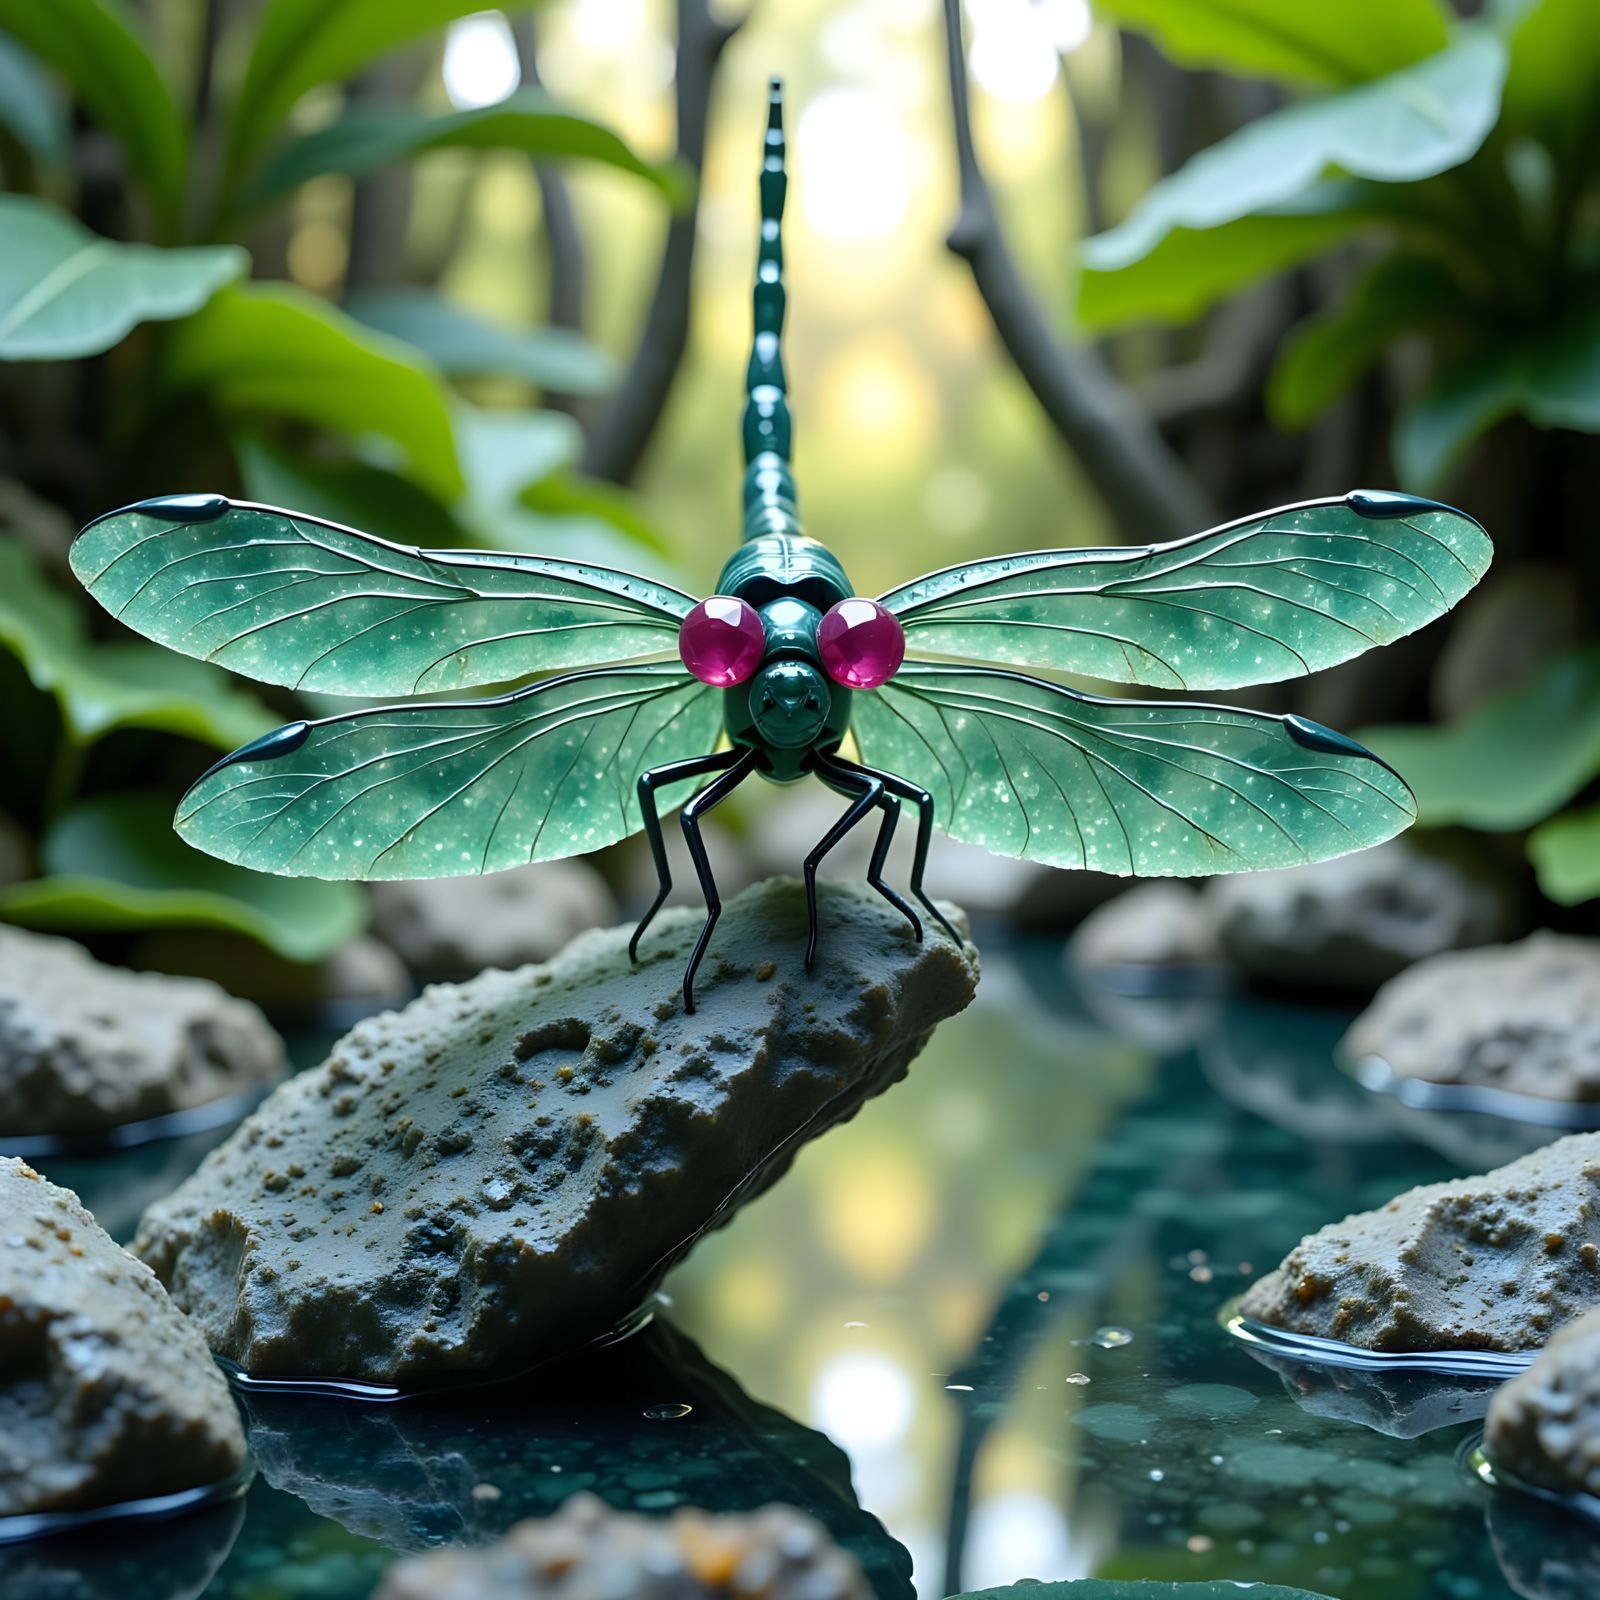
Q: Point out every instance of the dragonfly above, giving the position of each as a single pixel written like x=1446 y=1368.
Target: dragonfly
x=662 y=699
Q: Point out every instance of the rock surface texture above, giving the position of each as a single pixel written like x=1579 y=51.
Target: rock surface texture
x=106 y=1392
x=85 y=1047
x=1523 y=1017
x=1492 y=1263
x=505 y=1169
x=456 y=927
x=587 y=1551
x=1355 y=921
x=1544 y=1426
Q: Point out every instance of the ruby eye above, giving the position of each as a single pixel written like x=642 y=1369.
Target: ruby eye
x=721 y=641
x=861 y=643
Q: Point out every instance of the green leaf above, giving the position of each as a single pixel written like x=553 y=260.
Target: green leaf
x=1186 y=271
x=464 y=345
x=1552 y=379
x=1565 y=853
x=1412 y=125
x=29 y=108
x=563 y=500
x=100 y=688
x=95 y=45
x=1331 y=44
x=114 y=862
x=65 y=292
x=1513 y=760
x=1554 y=79
x=277 y=350
x=299 y=44
x=1328 y=354
x=371 y=137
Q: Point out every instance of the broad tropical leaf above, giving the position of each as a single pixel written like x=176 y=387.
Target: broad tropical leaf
x=289 y=599
x=447 y=790
x=96 y=46
x=1565 y=852
x=66 y=292
x=1268 y=597
x=29 y=108
x=1415 y=124
x=370 y=137
x=1030 y=769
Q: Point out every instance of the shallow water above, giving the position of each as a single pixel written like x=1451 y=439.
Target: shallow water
x=974 y=1331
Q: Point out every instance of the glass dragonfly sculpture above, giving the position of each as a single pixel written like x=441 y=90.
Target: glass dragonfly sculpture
x=784 y=671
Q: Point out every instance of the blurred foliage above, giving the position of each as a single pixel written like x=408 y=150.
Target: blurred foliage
x=130 y=226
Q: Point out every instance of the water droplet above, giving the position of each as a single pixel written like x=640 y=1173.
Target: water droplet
x=1079 y=1377
x=668 y=1412
x=1111 y=1338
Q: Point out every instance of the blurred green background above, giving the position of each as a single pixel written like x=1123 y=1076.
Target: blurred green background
x=481 y=277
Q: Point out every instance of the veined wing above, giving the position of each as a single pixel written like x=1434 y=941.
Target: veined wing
x=1031 y=769
x=1264 y=598
x=441 y=790
x=291 y=599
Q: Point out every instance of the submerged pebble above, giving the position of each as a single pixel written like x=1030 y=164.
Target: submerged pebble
x=107 y=1393
x=587 y=1551
x=1497 y=1262
x=504 y=1169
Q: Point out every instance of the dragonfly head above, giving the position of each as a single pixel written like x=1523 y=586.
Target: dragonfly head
x=790 y=702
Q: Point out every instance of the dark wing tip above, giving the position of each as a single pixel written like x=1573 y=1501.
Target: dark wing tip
x=1313 y=736
x=1386 y=505
x=280 y=742
x=172 y=507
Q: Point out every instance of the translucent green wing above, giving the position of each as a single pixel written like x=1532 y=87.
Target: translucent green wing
x=1268 y=597
x=290 y=599
x=1030 y=769
x=440 y=790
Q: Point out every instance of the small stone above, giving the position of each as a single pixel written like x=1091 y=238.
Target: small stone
x=1153 y=925
x=1544 y=1425
x=547 y=1142
x=1497 y=1262
x=587 y=1551
x=85 y=1047
x=1354 y=921
x=1523 y=1017
x=459 y=927
x=107 y=1392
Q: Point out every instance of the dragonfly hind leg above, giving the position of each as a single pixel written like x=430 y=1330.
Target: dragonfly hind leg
x=923 y=801
x=869 y=793
x=718 y=790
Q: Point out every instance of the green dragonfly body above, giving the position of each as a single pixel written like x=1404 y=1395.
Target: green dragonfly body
x=781 y=672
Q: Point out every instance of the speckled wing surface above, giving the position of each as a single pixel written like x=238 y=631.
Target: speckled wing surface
x=1254 y=601
x=1031 y=769
x=291 y=599
x=441 y=789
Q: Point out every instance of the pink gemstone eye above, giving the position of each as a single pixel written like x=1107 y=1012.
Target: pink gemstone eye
x=721 y=641
x=861 y=643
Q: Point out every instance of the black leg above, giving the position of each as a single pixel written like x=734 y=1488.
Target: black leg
x=846 y=780
x=923 y=801
x=649 y=782
x=868 y=797
x=714 y=792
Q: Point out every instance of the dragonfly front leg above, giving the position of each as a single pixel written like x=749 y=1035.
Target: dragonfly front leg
x=923 y=801
x=718 y=790
x=649 y=782
x=845 y=778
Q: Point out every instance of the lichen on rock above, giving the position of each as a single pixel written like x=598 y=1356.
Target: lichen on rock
x=506 y=1168
x=86 y=1047
x=587 y=1551
x=1523 y=1017
x=1497 y=1262
x=1544 y=1425
x=107 y=1394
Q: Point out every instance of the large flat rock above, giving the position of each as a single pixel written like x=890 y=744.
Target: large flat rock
x=504 y=1169
x=107 y=1394
x=1497 y=1262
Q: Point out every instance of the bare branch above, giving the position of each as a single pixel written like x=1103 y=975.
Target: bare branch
x=623 y=432
x=1147 y=489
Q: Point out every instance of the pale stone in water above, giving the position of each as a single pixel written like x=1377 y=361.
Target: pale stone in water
x=85 y=1047
x=107 y=1393
x=1497 y=1262
x=1544 y=1426
x=504 y=1169
x=1523 y=1017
